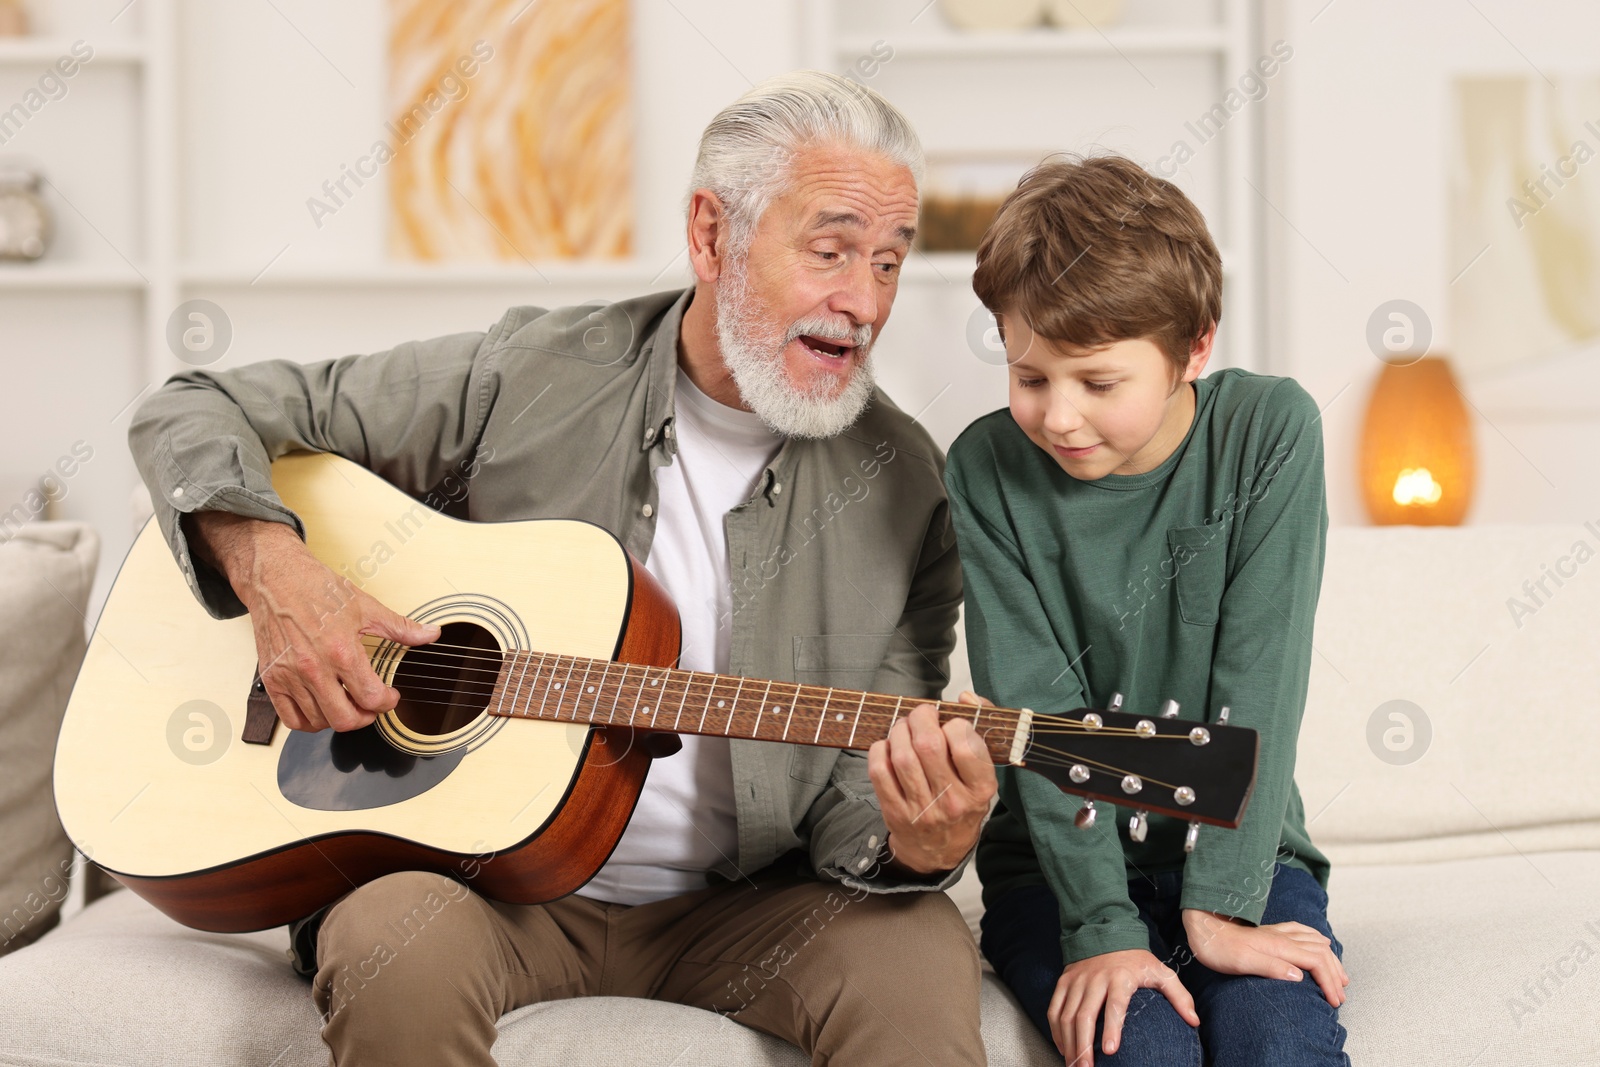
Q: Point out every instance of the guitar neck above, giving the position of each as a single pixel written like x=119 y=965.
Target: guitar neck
x=577 y=689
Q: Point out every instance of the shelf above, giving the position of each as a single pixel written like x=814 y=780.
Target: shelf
x=1046 y=42
x=47 y=50
x=443 y=275
x=36 y=277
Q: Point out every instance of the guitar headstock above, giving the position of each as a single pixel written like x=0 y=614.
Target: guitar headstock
x=1201 y=772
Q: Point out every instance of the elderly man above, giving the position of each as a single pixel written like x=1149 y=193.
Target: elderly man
x=731 y=436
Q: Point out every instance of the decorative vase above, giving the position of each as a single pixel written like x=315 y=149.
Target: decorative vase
x=24 y=216
x=1417 y=457
x=993 y=14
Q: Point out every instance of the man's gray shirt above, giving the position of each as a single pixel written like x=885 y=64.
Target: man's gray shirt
x=843 y=561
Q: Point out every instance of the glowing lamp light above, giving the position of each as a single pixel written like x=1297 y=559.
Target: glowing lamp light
x=1416 y=486
x=1417 y=457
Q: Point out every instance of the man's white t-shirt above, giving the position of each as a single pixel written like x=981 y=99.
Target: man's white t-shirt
x=685 y=822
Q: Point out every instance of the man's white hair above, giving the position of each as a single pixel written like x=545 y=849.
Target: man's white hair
x=746 y=151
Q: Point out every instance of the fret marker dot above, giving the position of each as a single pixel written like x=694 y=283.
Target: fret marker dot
x=558 y=685
x=722 y=703
x=838 y=717
x=645 y=710
x=591 y=689
x=652 y=681
x=776 y=708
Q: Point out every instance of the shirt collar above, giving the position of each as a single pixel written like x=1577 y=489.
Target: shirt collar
x=661 y=366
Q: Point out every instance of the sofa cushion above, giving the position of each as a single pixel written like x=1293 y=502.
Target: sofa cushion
x=121 y=983
x=1498 y=726
x=46 y=569
x=1486 y=961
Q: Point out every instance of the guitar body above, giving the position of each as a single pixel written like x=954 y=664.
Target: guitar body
x=155 y=782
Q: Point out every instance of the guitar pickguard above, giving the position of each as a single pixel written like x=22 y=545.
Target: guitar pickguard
x=356 y=770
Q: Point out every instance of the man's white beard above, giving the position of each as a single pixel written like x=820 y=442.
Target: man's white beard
x=753 y=348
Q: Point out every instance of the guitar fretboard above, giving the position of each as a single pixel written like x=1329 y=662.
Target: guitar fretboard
x=577 y=689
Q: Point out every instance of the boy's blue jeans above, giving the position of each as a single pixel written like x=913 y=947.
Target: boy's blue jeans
x=1245 y=1021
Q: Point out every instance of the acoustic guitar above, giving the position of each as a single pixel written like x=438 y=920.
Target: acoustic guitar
x=522 y=736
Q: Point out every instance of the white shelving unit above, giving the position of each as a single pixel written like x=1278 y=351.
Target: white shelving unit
x=147 y=268
x=410 y=275
x=45 y=50
x=1227 y=44
x=1048 y=42
x=45 y=277
x=152 y=267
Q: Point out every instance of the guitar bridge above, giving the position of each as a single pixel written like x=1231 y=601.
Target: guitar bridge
x=260 y=717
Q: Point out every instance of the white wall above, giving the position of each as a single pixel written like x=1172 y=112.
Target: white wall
x=1362 y=135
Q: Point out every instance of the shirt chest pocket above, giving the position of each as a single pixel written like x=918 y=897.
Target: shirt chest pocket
x=841 y=661
x=1199 y=557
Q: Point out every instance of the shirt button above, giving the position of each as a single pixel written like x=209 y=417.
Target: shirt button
x=178 y=492
x=668 y=431
x=777 y=487
x=650 y=435
x=647 y=511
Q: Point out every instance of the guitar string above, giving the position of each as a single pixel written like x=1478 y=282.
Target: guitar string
x=873 y=717
x=876 y=701
x=622 y=689
x=1068 y=759
x=487 y=656
x=632 y=719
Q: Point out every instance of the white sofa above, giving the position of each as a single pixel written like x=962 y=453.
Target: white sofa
x=1464 y=886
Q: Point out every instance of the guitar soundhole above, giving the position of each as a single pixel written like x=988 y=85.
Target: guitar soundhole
x=445 y=685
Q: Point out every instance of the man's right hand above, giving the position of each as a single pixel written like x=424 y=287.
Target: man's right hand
x=1108 y=981
x=308 y=622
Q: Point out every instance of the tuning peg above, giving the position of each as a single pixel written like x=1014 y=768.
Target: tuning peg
x=1085 y=817
x=1192 y=836
x=1222 y=716
x=1138 y=825
x=1116 y=702
x=1169 y=710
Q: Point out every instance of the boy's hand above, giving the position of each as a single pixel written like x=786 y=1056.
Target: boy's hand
x=1108 y=980
x=1282 y=950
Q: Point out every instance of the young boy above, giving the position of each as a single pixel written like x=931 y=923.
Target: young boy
x=1128 y=526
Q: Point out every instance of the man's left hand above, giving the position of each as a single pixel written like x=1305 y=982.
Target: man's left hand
x=934 y=784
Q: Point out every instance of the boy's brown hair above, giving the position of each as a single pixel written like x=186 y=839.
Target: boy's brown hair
x=1096 y=250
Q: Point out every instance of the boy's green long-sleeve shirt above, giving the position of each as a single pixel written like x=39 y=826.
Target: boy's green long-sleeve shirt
x=1198 y=582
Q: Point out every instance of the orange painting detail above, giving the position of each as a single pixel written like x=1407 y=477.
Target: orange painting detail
x=512 y=130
